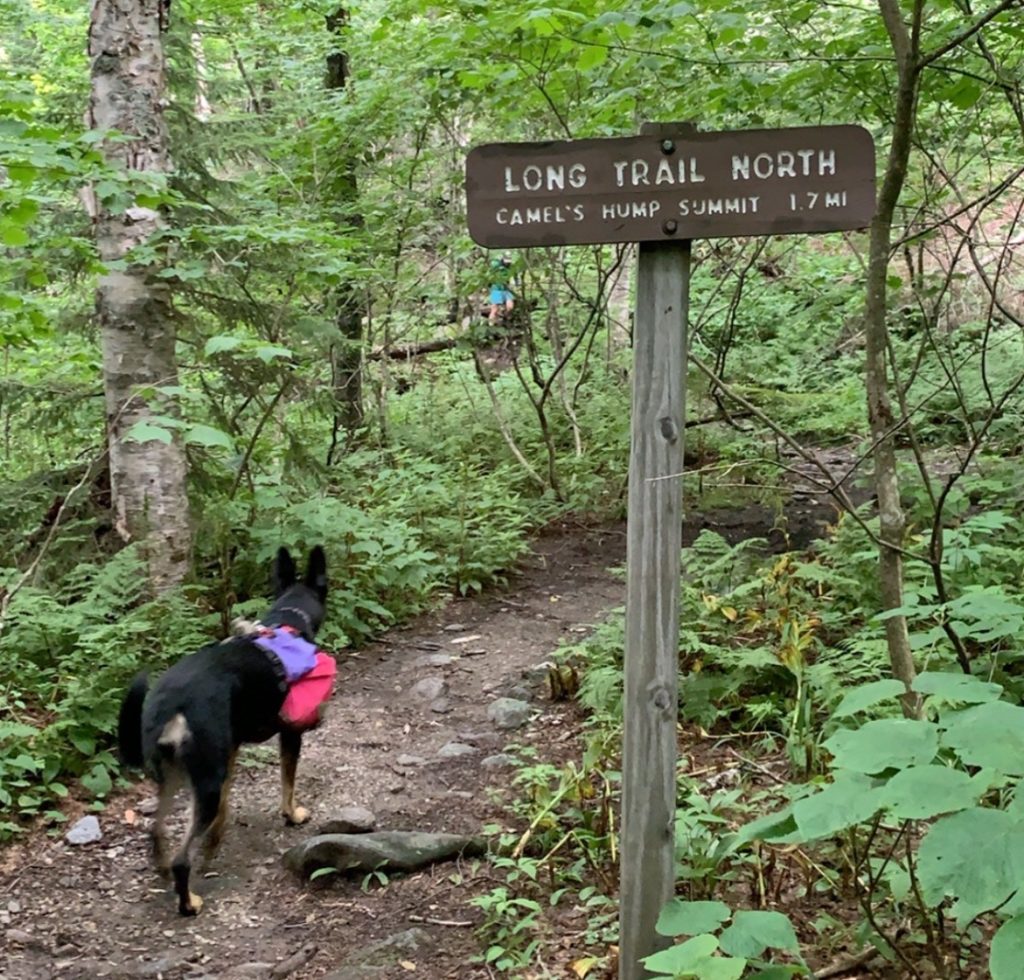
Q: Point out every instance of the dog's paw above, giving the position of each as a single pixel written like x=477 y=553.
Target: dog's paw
x=192 y=907
x=299 y=815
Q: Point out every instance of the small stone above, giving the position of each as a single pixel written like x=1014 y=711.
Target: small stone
x=164 y=963
x=14 y=906
x=429 y=688
x=250 y=970
x=432 y=660
x=19 y=936
x=499 y=761
x=411 y=760
x=455 y=749
x=85 y=831
x=148 y=806
x=456 y=628
x=441 y=706
x=508 y=713
x=350 y=820
x=538 y=673
x=520 y=692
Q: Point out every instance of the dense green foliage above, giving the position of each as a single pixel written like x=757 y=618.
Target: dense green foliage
x=291 y=203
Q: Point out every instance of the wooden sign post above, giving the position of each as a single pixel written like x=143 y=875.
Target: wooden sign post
x=662 y=188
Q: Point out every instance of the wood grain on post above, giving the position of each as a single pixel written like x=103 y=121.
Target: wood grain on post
x=654 y=539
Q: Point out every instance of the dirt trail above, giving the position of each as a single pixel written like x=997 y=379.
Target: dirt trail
x=97 y=910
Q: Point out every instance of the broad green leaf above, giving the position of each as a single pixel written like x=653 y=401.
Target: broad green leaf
x=891 y=743
x=23 y=212
x=722 y=968
x=684 y=958
x=957 y=687
x=921 y=792
x=592 y=57
x=1007 y=953
x=85 y=743
x=98 y=781
x=222 y=342
x=206 y=435
x=752 y=932
x=143 y=431
x=776 y=827
x=850 y=800
x=269 y=352
x=868 y=695
x=975 y=857
x=988 y=735
x=679 y=918
x=13 y=235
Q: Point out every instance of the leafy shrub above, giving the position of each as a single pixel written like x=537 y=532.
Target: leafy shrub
x=67 y=656
x=958 y=768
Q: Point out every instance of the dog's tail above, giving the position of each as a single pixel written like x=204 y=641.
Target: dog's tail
x=129 y=721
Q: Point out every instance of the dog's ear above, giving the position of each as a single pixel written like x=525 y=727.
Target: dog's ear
x=283 y=574
x=316 y=572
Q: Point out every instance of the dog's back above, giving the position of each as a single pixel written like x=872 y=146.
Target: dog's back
x=218 y=698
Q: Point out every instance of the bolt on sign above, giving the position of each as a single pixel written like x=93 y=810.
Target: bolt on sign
x=655 y=188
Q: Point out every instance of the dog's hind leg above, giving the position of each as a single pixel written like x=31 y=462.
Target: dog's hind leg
x=216 y=832
x=207 y=795
x=291 y=746
x=169 y=786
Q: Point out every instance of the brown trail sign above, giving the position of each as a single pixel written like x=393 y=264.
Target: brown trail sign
x=662 y=189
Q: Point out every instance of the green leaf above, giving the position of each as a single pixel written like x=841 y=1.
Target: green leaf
x=269 y=352
x=1007 y=952
x=145 y=431
x=988 y=735
x=922 y=792
x=957 y=687
x=976 y=857
x=86 y=744
x=850 y=800
x=97 y=781
x=891 y=743
x=322 y=873
x=685 y=958
x=220 y=343
x=868 y=695
x=679 y=918
x=591 y=58
x=13 y=235
x=752 y=932
x=23 y=212
x=206 y=435
x=776 y=827
x=722 y=968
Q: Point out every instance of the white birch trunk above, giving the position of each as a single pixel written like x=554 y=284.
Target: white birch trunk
x=133 y=306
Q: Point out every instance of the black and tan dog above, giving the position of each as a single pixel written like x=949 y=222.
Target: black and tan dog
x=186 y=731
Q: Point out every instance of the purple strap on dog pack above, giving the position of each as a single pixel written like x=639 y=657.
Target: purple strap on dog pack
x=297 y=655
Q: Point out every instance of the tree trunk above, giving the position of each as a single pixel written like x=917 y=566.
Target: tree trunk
x=892 y=523
x=349 y=306
x=149 y=497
